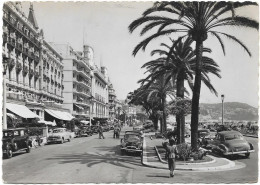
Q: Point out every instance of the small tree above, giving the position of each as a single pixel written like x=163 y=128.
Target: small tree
x=182 y=107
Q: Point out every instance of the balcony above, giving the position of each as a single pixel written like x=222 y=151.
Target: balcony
x=15 y=96
x=81 y=71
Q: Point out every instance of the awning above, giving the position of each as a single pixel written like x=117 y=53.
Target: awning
x=60 y=115
x=21 y=110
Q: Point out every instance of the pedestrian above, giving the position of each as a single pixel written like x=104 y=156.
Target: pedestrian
x=171 y=150
x=100 y=132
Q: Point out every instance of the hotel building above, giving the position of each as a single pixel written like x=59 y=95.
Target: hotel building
x=34 y=76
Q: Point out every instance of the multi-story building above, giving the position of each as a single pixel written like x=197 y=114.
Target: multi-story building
x=35 y=70
x=100 y=93
x=77 y=79
x=112 y=101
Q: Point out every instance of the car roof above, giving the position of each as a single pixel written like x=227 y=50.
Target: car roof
x=132 y=132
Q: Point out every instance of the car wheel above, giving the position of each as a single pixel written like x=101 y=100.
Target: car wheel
x=122 y=152
x=62 y=141
x=28 y=149
x=9 y=153
x=247 y=155
x=69 y=139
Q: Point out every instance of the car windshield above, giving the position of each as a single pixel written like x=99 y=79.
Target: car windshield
x=132 y=136
x=233 y=136
x=57 y=131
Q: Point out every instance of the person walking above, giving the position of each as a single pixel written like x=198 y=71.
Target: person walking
x=171 y=150
x=100 y=132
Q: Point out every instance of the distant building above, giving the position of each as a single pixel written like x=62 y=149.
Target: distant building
x=112 y=101
x=77 y=79
x=100 y=93
x=34 y=75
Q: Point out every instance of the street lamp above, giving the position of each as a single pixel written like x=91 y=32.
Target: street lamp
x=222 y=99
x=5 y=64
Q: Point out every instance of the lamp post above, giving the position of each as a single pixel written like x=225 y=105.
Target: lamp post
x=222 y=99
x=5 y=64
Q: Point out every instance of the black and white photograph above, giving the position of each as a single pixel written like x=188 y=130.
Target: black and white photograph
x=130 y=92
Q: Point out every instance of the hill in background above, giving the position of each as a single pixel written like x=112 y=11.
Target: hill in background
x=232 y=111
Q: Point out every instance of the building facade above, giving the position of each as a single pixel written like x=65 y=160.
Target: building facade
x=34 y=76
x=112 y=101
x=78 y=73
x=100 y=106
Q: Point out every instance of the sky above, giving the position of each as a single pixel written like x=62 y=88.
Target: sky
x=104 y=26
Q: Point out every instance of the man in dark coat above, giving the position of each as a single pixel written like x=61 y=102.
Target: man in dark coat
x=171 y=150
x=100 y=132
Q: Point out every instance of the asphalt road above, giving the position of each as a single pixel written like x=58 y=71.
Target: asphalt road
x=93 y=160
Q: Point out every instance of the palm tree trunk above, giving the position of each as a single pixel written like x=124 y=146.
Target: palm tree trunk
x=180 y=118
x=196 y=96
x=164 y=113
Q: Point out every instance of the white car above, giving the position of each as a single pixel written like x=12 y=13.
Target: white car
x=59 y=135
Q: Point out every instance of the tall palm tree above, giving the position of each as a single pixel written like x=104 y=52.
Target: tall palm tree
x=178 y=61
x=197 y=20
x=159 y=88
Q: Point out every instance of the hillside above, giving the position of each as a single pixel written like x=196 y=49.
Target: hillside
x=232 y=111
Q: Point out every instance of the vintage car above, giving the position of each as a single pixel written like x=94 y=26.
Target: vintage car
x=131 y=143
x=221 y=128
x=59 y=135
x=94 y=129
x=85 y=131
x=15 y=140
x=230 y=143
x=204 y=136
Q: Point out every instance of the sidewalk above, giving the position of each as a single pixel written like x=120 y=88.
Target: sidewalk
x=152 y=158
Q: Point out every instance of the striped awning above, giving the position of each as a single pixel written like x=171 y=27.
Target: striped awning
x=21 y=110
x=60 y=114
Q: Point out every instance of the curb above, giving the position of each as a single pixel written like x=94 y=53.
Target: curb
x=147 y=164
x=185 y=163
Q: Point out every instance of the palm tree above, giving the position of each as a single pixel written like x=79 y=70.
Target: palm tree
x=178 y=61
x=159 y=88
x=197 y=20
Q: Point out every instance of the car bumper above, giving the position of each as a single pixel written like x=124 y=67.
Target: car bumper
x=239 y=152
x=131 y=149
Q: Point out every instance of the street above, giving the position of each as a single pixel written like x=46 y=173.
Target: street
x=93 y=160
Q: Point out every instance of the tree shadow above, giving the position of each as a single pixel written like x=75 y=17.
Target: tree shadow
x=91 y=159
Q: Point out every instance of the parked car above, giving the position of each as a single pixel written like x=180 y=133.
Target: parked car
x=230 y=143
x=94 y=129
x=204 y=136
x=14 y=141
x=85 y=131
x=106 y=128
x=131 y=143
x=221 y=128
x=59 y=135
x=211 y=127
x=138 y=128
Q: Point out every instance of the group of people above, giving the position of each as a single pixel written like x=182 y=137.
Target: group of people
x=117 y=130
